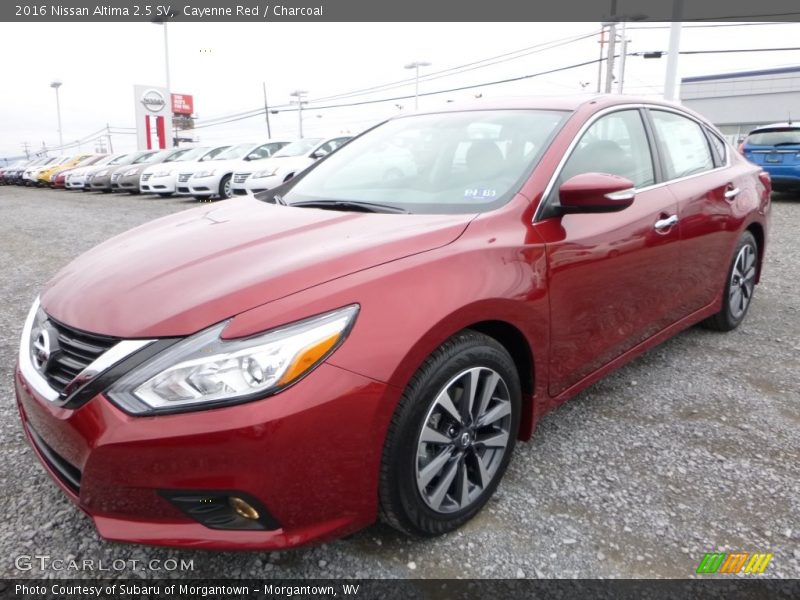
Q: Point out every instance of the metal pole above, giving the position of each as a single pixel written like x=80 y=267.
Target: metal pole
x=600 y=62
x=671 y=77
x=416 y=86
x=612 y=48
x=300 y=117
x=58 y=110
x=623 y=51
x=108 y=132
x=266 y=109
x=166 y=60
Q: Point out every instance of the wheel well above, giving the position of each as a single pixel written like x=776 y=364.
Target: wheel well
x=514 y=341
x=758 y=233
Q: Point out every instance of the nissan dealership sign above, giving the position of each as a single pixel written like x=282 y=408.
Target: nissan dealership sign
x=153 y=117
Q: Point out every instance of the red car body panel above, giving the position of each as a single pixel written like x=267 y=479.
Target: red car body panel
x=573 y=297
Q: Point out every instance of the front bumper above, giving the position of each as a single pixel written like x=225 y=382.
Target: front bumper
x=204 y=186
x=129 y=183
x=102 y=182
x=262 y=184
x=158 y=185
x=310 y=455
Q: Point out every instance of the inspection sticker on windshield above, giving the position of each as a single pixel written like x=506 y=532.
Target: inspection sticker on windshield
x=480 y=193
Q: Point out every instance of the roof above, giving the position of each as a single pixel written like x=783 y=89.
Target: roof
x=569 y=103
x=759 y=73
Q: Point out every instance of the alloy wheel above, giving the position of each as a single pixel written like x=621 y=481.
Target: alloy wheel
x=742 y=281
x=464 y=438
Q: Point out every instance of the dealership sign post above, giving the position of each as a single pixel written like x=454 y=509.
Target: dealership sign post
x=153 y=117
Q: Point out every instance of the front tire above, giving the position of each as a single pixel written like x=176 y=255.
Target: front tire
x=737 y=294
x=451 y=436
x=225 y=190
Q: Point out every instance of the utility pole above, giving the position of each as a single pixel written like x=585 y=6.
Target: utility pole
x=416 y=65
x=612 y=46
x=26 y=148
x=600 y=62
x=299 y=94
x=266 y=110
x=622 y=52
x=55 y=85
x=108 y=133
x=671 y=77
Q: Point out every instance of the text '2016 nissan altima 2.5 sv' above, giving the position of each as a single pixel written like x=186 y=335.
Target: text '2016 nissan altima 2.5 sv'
x=286 y=368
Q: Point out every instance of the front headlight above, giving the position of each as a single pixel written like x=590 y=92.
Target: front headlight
x=204 y=370
x=101 y=173
x=162 y=173
x=130 y=172
x=208 y=173
x=265 y=173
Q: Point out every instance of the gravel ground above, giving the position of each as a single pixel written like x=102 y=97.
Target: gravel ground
x=694 y=447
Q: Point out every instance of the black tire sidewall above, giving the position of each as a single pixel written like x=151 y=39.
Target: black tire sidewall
x=731 y=321
x=412 y=511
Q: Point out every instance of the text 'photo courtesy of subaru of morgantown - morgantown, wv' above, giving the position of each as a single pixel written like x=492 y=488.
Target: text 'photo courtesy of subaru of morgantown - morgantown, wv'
x=367 y=326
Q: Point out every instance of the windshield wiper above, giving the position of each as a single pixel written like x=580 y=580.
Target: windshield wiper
x=351 y=204
x=796 y=143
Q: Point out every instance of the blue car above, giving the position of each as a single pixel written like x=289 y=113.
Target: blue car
x=776 y=148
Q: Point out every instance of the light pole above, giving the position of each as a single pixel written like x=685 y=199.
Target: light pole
x=299 y=94
x=160 y=21
x=416 y=65
x=55 y=85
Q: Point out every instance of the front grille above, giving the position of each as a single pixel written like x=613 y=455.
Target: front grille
x=184 y=177
x=69 y=474
x=240 y=177
x=76 y=351
x=115 y=176
x=146 y=176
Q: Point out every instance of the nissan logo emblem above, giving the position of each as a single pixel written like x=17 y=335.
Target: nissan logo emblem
x=45 y=346
x=153 y=100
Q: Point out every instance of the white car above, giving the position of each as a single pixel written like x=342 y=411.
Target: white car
x=162 y=178
x=76 y=178
x=291 y=160
x=213 y=177
x=252 y=162
x=32 y=171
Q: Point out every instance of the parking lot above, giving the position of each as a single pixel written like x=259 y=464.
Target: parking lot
x=692 y=448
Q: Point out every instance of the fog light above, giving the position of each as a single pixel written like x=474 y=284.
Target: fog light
x=242 y=508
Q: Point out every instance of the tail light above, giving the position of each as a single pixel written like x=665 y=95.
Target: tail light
x=765 y=180
x=740 y=148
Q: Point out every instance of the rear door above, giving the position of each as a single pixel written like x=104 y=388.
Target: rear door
x=707 y=187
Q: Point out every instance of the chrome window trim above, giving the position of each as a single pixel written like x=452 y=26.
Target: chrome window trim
x=537 y=217
x=102 y=363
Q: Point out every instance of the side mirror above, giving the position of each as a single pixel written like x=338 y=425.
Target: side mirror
x=596 y=192
x=319 y=154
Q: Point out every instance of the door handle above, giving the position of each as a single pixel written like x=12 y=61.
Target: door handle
x=663 y=224
x=731 y=193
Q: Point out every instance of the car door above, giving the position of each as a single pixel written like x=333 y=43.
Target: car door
x=610 y=275
x=706 y=187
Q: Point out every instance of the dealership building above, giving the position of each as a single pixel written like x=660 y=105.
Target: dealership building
x=740 y=102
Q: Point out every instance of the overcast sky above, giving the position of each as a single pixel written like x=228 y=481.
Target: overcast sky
x=223 y=67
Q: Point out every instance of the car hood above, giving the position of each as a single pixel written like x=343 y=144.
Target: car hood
x=187 y=271
x=210 y=165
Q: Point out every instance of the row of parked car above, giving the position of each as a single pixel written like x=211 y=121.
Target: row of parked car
x=204 y=172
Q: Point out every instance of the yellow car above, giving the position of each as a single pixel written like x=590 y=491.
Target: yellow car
x=47 y=175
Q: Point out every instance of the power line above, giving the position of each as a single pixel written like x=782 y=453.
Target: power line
x=406 y=97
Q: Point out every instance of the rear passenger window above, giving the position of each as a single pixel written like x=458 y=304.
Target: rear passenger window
x=615 y=144
x=719 y=147
x=684 y=147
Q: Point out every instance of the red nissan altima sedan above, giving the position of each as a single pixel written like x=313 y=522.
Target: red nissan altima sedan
x=372 y=338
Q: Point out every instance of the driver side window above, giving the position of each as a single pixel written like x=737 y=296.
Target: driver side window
x=615 y=144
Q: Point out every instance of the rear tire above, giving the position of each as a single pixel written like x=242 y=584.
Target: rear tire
x=451 y=436
x=737 y=293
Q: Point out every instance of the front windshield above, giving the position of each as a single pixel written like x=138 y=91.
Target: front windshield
x=190 y=154
x=153 y=157
x=459 y=162
x=234 y=152
x=297 y=148
x=265 y=150
x=117 y=160
x=212 y=154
